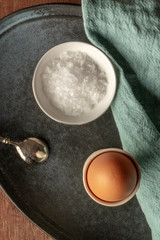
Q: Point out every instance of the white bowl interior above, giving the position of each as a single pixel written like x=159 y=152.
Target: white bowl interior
x=104 y=64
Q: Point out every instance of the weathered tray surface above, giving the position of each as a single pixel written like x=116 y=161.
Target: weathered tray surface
x=52 y=194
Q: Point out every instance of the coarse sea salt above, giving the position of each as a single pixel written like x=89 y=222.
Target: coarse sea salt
x=74 y=83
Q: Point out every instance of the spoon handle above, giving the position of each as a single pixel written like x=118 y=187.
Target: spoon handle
x=7 y=141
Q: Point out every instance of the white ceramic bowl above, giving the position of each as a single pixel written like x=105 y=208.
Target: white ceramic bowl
x=100 y=59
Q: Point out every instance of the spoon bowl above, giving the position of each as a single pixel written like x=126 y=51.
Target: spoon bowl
x=31 y=150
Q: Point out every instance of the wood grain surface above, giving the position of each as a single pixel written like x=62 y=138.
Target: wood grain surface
x=13 y=224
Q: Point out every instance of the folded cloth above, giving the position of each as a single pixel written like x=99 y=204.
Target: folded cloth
x=129 y=33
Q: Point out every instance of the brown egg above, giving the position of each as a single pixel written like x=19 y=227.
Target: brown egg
x=111 y=176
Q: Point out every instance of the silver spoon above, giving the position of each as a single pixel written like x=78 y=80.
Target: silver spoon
x=31 y=150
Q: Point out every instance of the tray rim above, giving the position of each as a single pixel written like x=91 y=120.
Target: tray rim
x=28 y=9
x=36 y=6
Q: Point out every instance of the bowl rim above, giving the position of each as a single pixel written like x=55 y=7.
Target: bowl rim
x=36 y=95
x=94 y=197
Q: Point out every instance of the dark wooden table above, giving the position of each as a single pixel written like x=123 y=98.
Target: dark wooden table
x=13 y=224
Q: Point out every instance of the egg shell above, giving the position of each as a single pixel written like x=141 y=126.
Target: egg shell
x=111 y=176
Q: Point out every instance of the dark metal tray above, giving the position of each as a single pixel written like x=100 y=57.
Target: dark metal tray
x=52 y=194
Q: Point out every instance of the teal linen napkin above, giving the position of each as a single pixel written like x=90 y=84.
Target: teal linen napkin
x=129 y=33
